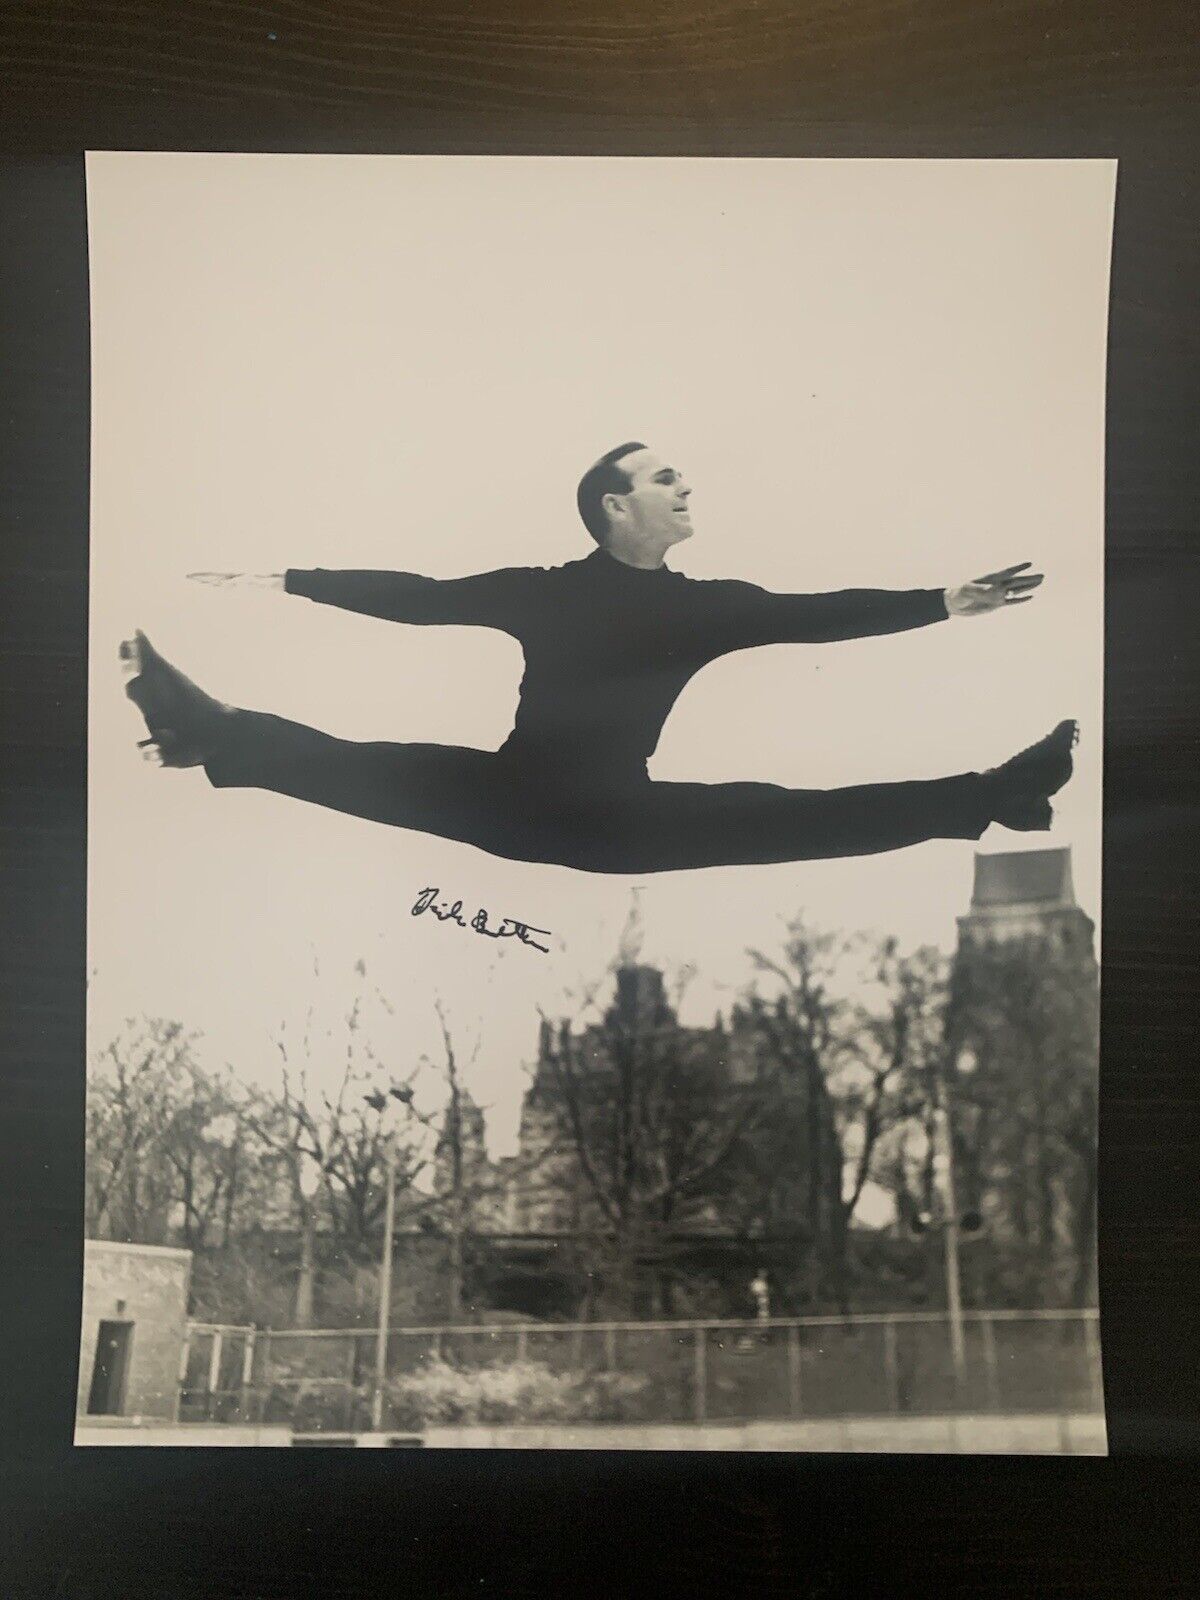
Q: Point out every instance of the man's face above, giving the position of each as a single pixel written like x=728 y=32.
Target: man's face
x=655 y=510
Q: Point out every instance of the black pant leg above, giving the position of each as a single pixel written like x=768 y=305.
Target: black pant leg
x=684 y=826
x=446 y=790
x=481 y=798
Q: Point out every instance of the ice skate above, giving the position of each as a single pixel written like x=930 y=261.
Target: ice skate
x=1022 y=786
x=183 y=722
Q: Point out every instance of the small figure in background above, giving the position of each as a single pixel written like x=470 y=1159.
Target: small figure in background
x=761 y=1290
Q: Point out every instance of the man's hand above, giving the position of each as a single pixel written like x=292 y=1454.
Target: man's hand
x=1012 y=586
x=238 y=580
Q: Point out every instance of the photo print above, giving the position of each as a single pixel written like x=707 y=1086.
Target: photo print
x=595 y=802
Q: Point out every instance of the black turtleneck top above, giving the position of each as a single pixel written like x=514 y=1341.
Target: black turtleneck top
x=608 y=647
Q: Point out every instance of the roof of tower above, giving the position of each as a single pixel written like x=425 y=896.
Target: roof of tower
x=1023 y=877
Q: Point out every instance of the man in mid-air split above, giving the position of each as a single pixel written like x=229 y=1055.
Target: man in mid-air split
x=610 y=642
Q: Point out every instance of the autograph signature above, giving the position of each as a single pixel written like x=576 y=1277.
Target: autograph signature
x=509 y=927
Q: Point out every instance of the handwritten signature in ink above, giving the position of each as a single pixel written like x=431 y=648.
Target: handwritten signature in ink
x=509 y=927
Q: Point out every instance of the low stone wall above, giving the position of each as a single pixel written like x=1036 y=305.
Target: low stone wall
x=92 y=1431
x=1080 y=1434
x=960 y=1435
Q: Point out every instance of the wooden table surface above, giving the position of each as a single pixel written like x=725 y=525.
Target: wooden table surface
x=825 y=77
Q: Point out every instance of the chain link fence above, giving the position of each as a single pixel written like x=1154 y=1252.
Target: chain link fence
x=1014 y=1362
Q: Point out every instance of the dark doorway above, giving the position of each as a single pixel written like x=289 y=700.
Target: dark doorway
x=107 y=1396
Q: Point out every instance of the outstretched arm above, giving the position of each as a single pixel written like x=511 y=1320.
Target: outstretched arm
x=239 y=580
x=488 y=599
x=745 y=615
x=1011 y=586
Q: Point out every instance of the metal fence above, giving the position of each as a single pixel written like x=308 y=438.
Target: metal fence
x=799 y=1368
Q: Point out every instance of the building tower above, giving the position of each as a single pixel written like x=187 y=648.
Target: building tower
x=1022 y=1063
x=461 y=1152
x=1026 y=893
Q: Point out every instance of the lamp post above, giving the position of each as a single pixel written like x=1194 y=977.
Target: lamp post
x=962 y=1060
x=952 y=1223
x=379 y=1102
x=950 y=1239
x=308 y=1180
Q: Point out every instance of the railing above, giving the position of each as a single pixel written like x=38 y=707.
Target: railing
x=776 y=1368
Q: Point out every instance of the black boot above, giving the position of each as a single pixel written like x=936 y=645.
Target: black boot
x=184 y=723
x=1020 y=788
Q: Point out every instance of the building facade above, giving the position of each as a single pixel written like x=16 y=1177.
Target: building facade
x=570 y=1213
x=133 y=1329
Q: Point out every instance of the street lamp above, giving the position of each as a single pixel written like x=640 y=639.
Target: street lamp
x=952 y=1223
x=378 y=1101
x=950 y=1237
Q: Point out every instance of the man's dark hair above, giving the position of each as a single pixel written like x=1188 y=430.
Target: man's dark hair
x=605 y=477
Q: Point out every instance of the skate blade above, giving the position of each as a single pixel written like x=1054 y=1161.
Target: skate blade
x=165 y=749
x=130 y=658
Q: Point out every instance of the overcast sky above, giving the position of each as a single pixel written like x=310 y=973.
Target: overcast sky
x=883 y=374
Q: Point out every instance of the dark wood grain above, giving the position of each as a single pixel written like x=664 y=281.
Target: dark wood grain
x=770 y=77
x=831 y=78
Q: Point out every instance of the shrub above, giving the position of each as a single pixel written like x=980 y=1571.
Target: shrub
x=440 y=1394
x=318 y=1408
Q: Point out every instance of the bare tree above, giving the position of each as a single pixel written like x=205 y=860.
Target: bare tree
x=205 y=1146
x=136 y=1088
x=458 y=1169
x=327 y=1145
x=472 y=1194
x=853 y=1026
x=1025 y=1013
x=653 y=1125
x=168 y=1153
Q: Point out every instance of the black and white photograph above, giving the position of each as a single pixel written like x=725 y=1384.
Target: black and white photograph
x=594 y=803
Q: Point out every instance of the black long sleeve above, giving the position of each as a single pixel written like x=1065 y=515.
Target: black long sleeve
x=743 y=615
x=609 y=648
x=499 y=599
